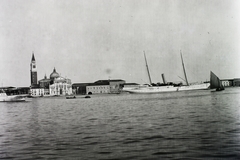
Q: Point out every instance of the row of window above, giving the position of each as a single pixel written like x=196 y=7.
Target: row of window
x=37 y=91
x=99 y=91
x=99 y=87
x=63 y=92
x=227 y=83
x=34 y=94
x=61 y=86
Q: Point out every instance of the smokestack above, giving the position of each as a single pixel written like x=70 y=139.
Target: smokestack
x=163 y=78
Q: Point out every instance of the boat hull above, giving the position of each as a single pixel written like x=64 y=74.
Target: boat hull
x=11 y=98
x=14 y=98
x=155 y=89
x=163 y=89
x=195 y=87
x=70 y=97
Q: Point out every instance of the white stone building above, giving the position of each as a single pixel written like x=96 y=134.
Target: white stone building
x=37 y=92
x=94 y=89
x=61 y=86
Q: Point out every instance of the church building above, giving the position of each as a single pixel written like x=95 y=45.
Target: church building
x=60 y=85
x=54 y=85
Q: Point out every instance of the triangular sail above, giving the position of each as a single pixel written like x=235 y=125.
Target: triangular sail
x=215 y=82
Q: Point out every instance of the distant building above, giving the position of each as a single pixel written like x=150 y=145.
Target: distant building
x=54 y=74
x=33 y=72
x=115 y=85
x=45 y=82
x=236 y=82
x=80 y=88
x=54 y=85
x=37 y=91
x=99 y=87
x=61 y=86
x=226 y=82
x=231 y=82
x=23 y=90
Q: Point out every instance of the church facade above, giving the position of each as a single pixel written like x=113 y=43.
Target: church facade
x=59 y=85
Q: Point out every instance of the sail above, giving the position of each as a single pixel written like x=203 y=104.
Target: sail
x=215 y=82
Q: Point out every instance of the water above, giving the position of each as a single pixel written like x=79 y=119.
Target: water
x=179 y=125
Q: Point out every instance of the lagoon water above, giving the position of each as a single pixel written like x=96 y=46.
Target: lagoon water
x=179 y=125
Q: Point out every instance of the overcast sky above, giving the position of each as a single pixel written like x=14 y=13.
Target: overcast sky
x=89 y=40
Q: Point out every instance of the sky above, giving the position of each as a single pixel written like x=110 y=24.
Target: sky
x=89 y=40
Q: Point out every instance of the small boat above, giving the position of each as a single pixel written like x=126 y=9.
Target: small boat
x=70 y=97
x=215 y=82
x=11 y=98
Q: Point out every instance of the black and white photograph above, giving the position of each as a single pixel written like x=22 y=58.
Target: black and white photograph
x=119 y=79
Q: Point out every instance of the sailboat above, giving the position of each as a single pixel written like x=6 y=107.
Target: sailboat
x=201 y=86
x=149 y=88
x=215 y=82
x=166 y=88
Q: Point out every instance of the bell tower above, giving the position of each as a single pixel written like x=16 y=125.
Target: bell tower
x=33 y=71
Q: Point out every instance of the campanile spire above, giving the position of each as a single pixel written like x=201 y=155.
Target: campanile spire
x=33 y=58
x=33 y=71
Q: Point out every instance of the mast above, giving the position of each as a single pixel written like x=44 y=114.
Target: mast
x=163 y=78
x=147 y=69
x=184 y=70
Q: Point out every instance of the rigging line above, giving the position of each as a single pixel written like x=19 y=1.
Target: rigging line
x=182 y=79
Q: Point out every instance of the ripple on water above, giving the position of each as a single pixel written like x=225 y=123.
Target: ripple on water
x=179 y=125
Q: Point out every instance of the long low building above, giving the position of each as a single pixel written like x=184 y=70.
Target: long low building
x=231 y=82
x=99 y=87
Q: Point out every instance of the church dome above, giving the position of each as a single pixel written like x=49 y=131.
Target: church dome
x=54 y=74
